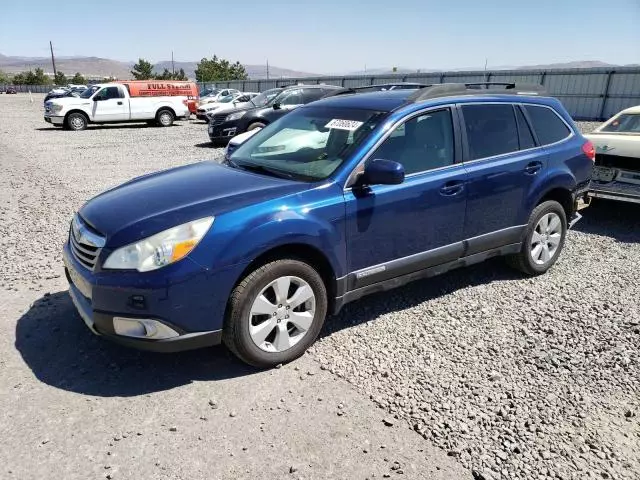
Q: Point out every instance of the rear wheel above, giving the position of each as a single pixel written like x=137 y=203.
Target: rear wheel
x=544 y=239
x=76 y=121
x=165 y=118
x=275 y=313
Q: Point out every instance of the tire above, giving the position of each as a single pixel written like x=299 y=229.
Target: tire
x=539 y=242
x=280 y=340
x=76 y=121
x=165 y=118
x=255 y=125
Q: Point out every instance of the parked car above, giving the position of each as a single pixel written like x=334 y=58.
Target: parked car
x=616 y=175
x=216 y=95
x=225 y=125
x=257 y=251
x=113 y=103
x=11 y=91
x=74 y=91
x=235 y=100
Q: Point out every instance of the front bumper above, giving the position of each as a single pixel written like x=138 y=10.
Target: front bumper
x=181 y=305
x=202 y=116
x=223 y=132
x=54 y=119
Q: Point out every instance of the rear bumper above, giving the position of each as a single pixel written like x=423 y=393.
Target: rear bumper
x=621 y=191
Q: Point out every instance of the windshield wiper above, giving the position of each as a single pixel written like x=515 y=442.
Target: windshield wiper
x=274 y=172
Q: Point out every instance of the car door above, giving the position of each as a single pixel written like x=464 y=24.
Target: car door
x=110 y=105
x=503 y=164
x=392 y=230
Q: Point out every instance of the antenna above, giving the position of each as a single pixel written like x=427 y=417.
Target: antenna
x=267 y=69
x=53 y=61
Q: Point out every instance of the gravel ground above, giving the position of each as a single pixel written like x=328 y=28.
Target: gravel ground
x=512 y=377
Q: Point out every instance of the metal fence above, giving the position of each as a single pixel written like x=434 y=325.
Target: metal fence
x=588 y=94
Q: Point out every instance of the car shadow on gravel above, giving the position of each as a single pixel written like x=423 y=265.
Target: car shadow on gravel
x=371 y=307
x=116 y=126
x=608 y=218
x=60 y=351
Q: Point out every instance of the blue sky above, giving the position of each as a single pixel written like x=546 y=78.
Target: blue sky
x=327 y=36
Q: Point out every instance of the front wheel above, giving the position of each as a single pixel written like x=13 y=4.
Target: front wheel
x=76 y=121
x=544 y=239
x=255 y=125
x=275 y=313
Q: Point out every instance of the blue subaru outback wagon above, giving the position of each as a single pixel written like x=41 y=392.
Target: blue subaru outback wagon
x=340 y=198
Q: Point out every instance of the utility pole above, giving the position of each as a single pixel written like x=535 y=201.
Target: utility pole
x=485 y=64
x=173 y=67
x=267 y=69
x=53 y=61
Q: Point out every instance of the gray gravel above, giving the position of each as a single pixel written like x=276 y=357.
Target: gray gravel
x=511 y=377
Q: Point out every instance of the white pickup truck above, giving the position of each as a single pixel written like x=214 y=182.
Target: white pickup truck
x=112 y=103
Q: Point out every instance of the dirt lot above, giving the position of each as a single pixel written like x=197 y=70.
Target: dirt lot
x=480 y=370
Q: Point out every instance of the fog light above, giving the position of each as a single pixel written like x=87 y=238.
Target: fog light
x=142 y=328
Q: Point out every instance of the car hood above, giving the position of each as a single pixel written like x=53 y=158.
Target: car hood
x=152 y=203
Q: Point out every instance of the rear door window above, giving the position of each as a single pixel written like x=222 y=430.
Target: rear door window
x=312 y=94
x=491 y=130
x=548 y=126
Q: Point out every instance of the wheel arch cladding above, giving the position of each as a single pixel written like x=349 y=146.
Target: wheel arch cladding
x=558 y=188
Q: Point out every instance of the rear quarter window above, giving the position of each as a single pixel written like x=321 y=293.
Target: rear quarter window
x=548 y=126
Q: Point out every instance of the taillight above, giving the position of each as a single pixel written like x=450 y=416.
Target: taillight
x=589 y=150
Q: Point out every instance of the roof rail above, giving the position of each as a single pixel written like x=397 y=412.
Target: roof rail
x=475 y=88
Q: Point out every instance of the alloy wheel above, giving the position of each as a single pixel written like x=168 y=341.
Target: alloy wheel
x=546 y=238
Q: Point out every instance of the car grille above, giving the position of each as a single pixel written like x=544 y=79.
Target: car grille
x=85 y=243
x=218 y=119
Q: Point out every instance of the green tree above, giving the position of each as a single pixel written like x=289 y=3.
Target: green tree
x=180 y=75
x=218 y=69
x=166 y=75
x=60 y=78
x=142 y=70
x=78 y=79
x=4 y=78
x=36 y=77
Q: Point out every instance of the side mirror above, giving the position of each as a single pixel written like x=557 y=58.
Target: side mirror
x=382 y=172
x=277 y=106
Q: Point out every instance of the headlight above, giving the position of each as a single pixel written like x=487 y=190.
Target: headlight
x=55 y=107
x=234 y=116
x=160 y=249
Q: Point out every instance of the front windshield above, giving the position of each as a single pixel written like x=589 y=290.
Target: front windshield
x=265 y=98
x=89 y=91
x=625 y=123
x=308 y=144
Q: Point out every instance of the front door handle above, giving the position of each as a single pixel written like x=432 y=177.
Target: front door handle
x=119 y=103
x=533 y=168
x=452 y=188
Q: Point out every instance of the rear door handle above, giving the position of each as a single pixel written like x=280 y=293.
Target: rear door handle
x=533 y=168
x=119 y=103
x=452 y=188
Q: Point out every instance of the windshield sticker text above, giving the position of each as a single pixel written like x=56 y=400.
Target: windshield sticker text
x=350 y=125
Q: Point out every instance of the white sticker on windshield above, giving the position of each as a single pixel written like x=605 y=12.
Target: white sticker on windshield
x=350 y=125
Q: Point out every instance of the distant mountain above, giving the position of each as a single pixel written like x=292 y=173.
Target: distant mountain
x=96 y=67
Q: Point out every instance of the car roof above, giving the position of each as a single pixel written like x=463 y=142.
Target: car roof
x=383 y=101
x=635 y=109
